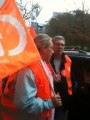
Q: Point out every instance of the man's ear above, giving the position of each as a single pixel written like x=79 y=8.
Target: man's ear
x=44 y=50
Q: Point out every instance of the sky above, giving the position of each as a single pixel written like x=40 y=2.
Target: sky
x=50 y=6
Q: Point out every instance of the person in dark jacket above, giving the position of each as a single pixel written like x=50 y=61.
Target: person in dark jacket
x=61 y=64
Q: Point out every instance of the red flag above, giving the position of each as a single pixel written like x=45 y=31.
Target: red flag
x=17 y=48
x=32 y=31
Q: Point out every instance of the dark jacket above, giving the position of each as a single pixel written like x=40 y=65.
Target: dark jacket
x=61 y=87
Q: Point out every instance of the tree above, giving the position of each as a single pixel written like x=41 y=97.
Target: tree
x=29 y=10
x=74 y=26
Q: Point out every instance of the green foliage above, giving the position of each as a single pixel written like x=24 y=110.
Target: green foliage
x=74 y=26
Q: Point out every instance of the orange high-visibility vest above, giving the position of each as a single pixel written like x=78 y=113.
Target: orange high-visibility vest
x=68 y=74
x=43 y=85
x=43 y=89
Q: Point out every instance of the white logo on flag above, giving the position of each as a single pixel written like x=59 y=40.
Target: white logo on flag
x=22 y=35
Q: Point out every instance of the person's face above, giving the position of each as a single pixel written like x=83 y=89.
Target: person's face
x=58 y=47
x=48 y=51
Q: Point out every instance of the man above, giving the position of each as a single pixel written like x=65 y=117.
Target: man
x=62 y=66
x=32 y=89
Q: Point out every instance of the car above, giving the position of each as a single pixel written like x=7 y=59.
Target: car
x=80 y=103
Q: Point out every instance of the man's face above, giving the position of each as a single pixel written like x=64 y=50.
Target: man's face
x=58 y=46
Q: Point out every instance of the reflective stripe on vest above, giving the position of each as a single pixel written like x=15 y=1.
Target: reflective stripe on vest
x=68 y=74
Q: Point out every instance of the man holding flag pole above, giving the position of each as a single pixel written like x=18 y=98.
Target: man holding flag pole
x=29 y=92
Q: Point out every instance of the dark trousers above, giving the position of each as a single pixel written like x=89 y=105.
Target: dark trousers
x=61 y=114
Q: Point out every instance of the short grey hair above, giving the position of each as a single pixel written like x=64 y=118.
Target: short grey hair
x=42 y=40
x=58 y=38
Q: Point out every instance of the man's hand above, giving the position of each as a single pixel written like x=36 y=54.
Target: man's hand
x=57 y=77
x=57 y=100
